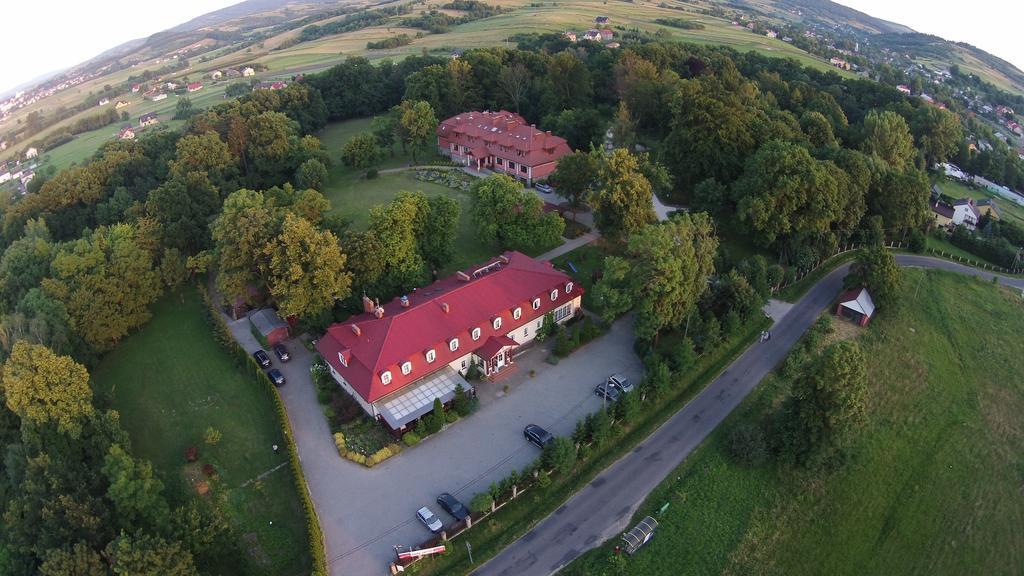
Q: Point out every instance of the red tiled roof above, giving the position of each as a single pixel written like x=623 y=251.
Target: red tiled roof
x=494 y=345
x=505 y=135
x=407 y=333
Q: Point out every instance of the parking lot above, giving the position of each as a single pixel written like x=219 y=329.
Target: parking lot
x=366 y=512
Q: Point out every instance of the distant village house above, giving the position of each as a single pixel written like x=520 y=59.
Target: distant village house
x=148 y=119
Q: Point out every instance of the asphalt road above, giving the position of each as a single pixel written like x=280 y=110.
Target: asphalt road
x=603 y=508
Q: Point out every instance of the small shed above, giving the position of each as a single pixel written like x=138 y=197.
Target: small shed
x=639 y=535
x=268 y=324
x=856 y=305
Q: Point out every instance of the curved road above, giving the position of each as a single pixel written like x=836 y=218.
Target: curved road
x=602 y=509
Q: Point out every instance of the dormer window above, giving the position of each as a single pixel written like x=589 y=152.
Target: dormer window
x=406 y=368
x=453 y=344
x=554 y=294
x=568 y=287
x=431 y=355
x=497 y=323
x=476 y=333
x=536 y=303
x=341 y=358
x=385 y=377
x=517 y=313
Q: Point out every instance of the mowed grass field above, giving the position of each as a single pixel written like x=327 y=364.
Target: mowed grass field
x=353 y=196
x=170 y=382
x=933 y=482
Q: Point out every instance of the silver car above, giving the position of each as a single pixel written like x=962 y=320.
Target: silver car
x=621 y=382
x=432 y=522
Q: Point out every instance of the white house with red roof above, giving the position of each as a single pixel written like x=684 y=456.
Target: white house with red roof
x=396 y=358
x=501 y=141
x=194 y=87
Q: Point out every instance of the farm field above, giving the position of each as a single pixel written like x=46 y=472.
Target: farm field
x=170 y=381
x=932 y=484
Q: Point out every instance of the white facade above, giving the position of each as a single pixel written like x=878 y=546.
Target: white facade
x=965 y=215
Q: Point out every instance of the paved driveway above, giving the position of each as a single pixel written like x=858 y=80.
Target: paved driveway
x=365 y=512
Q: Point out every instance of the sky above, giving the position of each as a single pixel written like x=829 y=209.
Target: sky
x=57 y=34
x=992 y=25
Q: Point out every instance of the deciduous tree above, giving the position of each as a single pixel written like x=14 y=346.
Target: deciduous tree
x=184 y=207
x=361 y=151
x=311 y=174
x=622 y=200
x=305 y=269
x=43 y=387
x=418 y=124
x=887 y=136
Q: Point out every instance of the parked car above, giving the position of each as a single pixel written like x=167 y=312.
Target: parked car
x=262 y=359
x=545 y=188
x=620 y=382
x=452 y=506
x=607 y=391
x=537 y=435
x=282 y=353
x=276 y=377
x=433 y=523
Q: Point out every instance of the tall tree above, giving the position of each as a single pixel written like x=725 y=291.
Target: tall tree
x=143 y=555
x=43 y=387
x=25 y=263
x=306 y=269
x=622 y=200
x=514 y=82
x=418 y=124
x=136 y=494
x=384 y=128
x=441 y=225
x=311 y=174
x=887 y=136
x=184 y=207
x=106 y=281
x=514 y=218
x=876 y=269
x=574 y=176
x=938 y=133
x=361 y=151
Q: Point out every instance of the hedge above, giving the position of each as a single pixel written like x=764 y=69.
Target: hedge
x=224 y=337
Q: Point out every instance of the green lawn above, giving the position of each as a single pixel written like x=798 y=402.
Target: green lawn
x=589 y=263
x=1009 y=210
x=934 y=478
x=170 y=381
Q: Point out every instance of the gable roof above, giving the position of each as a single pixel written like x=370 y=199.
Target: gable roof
x=504 y=134
x=363 y=347
x=943 y=209
x=858 y=300
x=147 y=116
x=266 y=320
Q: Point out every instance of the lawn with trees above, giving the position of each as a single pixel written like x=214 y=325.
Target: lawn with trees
x=172 y=382
x=925 y=479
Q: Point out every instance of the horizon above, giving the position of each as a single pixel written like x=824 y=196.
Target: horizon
x=974 y=27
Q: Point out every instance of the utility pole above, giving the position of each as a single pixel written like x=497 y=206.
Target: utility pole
x=469 y=548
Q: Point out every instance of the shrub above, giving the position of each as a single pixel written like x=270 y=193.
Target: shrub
x=628 y=407
x=563 y=346
x=461 y=403
x=435 y=421
x=356 y=457
x=481 y=503
x=682 y=356
x=372 y=173
x=747 y=445
x=380 y=456
x=560 y=454
x=600 y=427
x=421 y=428
x=543 y=480
x=451 y=416
x=209 y=471
x=192 y=454
x=411 y=439
x=339 y=442
x=917 y=241
x=211 y=436
x=474 y=373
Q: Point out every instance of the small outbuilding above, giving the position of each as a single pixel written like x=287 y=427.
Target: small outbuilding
x=639 y=535
x=268 y=324
x=856 y=305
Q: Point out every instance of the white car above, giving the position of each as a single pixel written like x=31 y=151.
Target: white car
x=429 y=520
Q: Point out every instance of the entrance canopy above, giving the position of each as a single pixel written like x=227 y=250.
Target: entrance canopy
x=419 y=399
x=858 y=300
x=493 y=345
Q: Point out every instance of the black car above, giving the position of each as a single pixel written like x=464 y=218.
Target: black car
x=282 y=353
x=607 y=391
x=262 y=359
x=276 y=377
x=537 y=435
x=452 y=506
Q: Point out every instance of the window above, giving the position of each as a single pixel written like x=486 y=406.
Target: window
x=341 y=358
x=385 y=377
x=476 y=333
x=497 y=323
x=517 y=313
x=536 y=303
x=526 y=330
x=453 y=344
x=406 y=368
x=568 y=287
x=563 y=312
x=540 y=323
x=463 y=364
x=554 y=294
x=431 y=355
x=523 y=169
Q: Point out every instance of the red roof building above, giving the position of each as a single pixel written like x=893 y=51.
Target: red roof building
x=397 y=357
x=194 y=87
x=501 y=141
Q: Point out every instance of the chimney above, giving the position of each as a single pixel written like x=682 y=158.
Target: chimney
x=445 y=307
x=356 y=330
x=405 y=301
x=462 y=276
x=367 y=304
x=503 y=258
x=378 y=312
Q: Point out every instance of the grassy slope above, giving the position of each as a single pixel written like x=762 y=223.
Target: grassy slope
x=933 y=486
x=170 y=381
